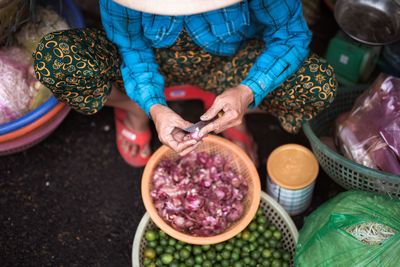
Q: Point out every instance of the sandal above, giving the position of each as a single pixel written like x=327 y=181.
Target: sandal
x=125 y=134
x=237 y=136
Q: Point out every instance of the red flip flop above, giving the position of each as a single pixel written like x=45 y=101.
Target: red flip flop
x=136 y=138
x=236 y=135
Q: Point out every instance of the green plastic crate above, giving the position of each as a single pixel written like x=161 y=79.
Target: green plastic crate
x=343 y=171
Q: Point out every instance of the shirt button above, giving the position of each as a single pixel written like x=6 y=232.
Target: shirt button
x=261 y=84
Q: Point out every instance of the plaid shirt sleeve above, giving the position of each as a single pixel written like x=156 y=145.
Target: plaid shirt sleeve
x=143 y=83
x=286 y=38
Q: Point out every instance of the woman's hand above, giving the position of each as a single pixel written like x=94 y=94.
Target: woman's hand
x=170 y=127
x=233 y=102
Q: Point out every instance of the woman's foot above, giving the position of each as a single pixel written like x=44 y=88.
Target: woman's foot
x=242 y=137
x=133 y=137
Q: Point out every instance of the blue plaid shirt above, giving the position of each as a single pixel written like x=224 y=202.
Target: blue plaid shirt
x=279 y=23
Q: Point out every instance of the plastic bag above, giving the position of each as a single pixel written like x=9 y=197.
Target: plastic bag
x=48 y=21
x=370 y=133
x=326 y=238
x=15 y=92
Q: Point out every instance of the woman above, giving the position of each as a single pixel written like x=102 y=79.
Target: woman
x=252 y=53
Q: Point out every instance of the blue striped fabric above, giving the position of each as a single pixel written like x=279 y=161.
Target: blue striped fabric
x=279 y=23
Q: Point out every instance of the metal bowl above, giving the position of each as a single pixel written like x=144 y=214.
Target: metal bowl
x=374 y=22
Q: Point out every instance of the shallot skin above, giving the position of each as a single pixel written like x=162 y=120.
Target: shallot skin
x=199 y=194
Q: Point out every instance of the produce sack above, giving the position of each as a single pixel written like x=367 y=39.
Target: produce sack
x=15 y=90
x=353 y=229
x=370 y=133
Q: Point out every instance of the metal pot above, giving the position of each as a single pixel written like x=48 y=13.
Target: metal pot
x=374 y=22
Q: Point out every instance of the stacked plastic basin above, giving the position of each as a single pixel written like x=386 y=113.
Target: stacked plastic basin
x=35 y=126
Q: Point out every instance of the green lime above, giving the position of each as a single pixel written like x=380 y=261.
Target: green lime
x=207 y=263
x=266 y=253
x=236 y=250
x=253 y=226
x=152 y=265
x=159 y=250
x=189 y=247
x=226 y=254
x=238 y=264
x=219 y=247
x=260 y=212
x=172 y=242
x=256 y=255
x=276 y=254
x=246 y=235
x=277 y=235
x=235 y=256
x=252 y=247
x=166 y=258
x=262 y=221
x=273 y=243
x=276 y=263
x=198 y=259
x=219 y=257
x=256 y=235
x=246 y=249
x=162 y=234
x=210 y=254
x=239 y=243
x=163 y=242
x=253 y=237
x=206 y=247
x=285 y=264
x=229 y=247
x=149 y=253
x=272 y=228
x=184 y=253
x=225 y=263
x=189 y=262
x=169 y=250
x=159 y=262
x=174 y=264
x=286 y=256
x=197 y=250
x=147 y=261
x=152 y=244
x=151 y=235
x=261 y=228
x=197 y=265
x=267 y=234
x=247 y=261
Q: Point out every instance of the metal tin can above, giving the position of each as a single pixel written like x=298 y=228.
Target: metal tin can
x=292 y=171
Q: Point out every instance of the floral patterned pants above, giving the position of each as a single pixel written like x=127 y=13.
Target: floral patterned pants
x=80 y=66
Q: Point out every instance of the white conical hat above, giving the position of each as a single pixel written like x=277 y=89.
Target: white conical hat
x=176 y=7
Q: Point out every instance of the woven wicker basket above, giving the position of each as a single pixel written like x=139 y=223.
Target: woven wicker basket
x=345 y=172
x=12 y=12
x=239 y=161
x=273 y=212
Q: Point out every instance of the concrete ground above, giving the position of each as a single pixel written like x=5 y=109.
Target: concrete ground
x=72 y=201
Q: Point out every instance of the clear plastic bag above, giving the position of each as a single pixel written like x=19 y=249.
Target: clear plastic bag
x=370 y=133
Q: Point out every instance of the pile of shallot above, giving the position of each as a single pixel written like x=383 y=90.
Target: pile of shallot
x=199 y=194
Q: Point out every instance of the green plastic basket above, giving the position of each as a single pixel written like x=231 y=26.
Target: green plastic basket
x=343 y=171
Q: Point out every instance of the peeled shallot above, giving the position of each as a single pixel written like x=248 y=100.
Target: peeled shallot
x=199 y=194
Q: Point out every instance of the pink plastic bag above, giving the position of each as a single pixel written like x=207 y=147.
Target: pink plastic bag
x=370 y=133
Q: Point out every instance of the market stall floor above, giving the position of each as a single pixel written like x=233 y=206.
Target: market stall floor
x=72 y=201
